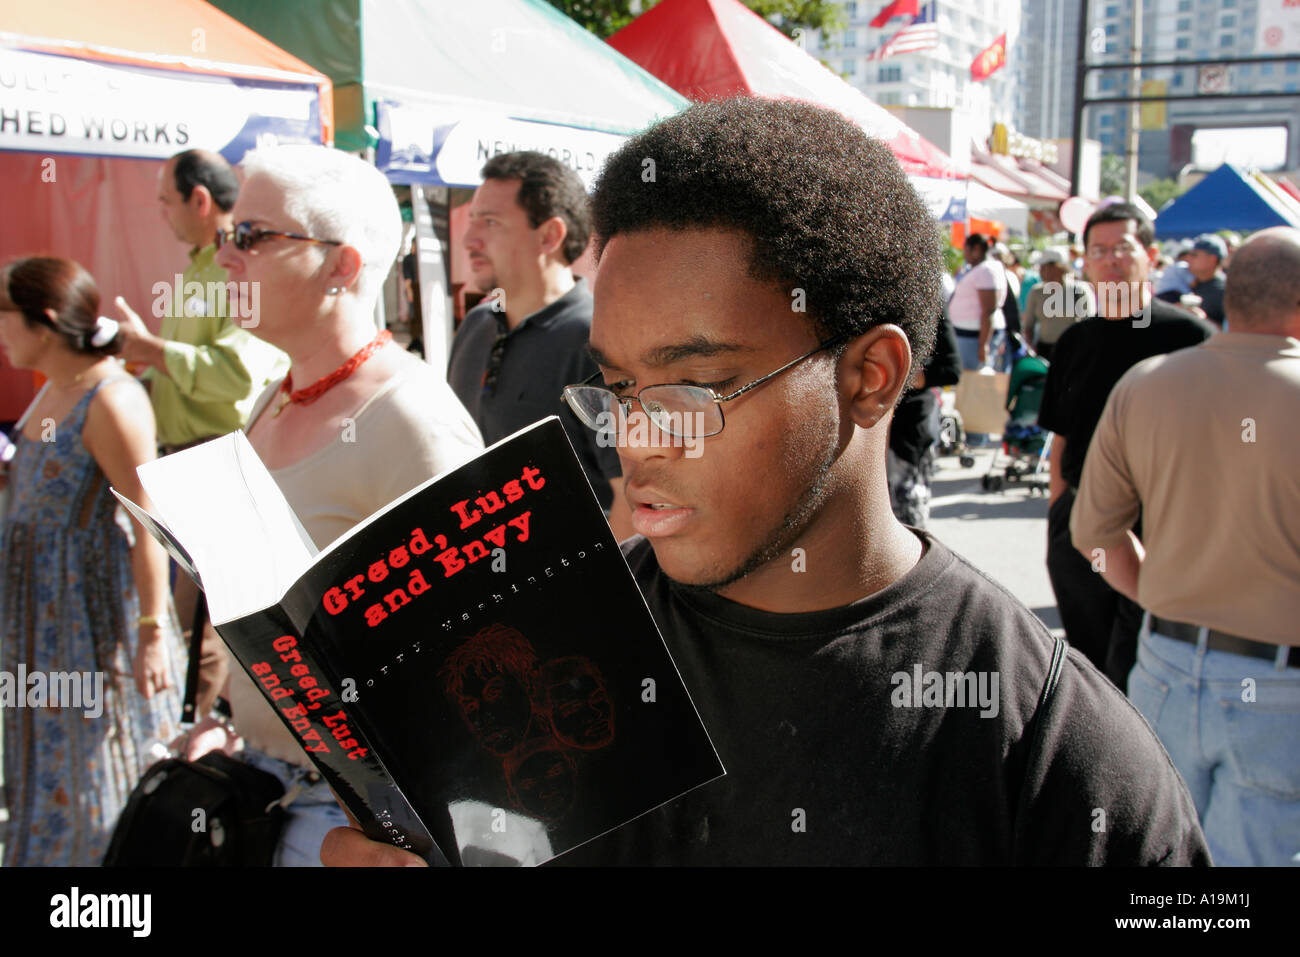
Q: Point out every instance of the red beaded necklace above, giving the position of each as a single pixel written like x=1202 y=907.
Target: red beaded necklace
x=326 y=382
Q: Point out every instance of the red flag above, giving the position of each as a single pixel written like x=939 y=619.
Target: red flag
x=896 y=9
x=989 y=60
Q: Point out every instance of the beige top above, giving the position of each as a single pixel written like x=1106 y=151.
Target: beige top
x=1207 y=442
x=1051 y=308
x=410 y=430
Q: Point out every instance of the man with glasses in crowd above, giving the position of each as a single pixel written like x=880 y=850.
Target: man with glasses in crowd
x=203 y=369
x=512 y=355
x=1089 y=358
x=803 y=616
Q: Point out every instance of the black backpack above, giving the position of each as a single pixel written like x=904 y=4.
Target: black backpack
x=213 y=812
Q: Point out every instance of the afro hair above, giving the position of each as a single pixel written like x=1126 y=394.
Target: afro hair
x=826 y=207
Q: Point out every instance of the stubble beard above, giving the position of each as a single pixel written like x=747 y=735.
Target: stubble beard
x=777 y=543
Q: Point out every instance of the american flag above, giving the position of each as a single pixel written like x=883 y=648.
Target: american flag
x=921 y=34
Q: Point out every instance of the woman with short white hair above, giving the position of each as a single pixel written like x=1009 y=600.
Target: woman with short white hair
x=356 y=423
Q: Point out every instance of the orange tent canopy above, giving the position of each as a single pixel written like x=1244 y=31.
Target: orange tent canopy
x=985 y=227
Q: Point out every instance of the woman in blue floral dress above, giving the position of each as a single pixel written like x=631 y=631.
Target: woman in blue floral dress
x=83 y=592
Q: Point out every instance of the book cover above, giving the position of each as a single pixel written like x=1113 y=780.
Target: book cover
x=473 y=667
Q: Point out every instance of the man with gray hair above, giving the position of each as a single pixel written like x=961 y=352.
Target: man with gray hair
x=1202 y=442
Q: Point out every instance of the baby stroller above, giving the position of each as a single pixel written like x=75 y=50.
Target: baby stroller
x=1024 y=443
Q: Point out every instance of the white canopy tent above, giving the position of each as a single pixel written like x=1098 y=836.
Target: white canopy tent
x=985 y=203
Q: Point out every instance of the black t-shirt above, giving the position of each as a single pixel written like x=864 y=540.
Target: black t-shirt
x=1211 y=293
x=827 y=763
x=1091 y=356
x=541 y=355
x=914 y=426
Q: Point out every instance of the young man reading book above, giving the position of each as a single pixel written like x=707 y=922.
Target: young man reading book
x=874 y=698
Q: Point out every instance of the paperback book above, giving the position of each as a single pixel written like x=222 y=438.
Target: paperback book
x=472 y=668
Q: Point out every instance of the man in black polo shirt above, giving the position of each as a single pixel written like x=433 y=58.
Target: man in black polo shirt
x=513 y=356
x=1089 y=358
x=821 y=640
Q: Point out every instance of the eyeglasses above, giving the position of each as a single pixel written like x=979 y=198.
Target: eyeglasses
x=245 y=236
x=684 y=411
x=1124 y=250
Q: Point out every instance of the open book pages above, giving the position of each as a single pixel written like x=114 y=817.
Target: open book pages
x=243 y=542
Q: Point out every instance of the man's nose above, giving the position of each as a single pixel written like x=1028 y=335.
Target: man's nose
x=638 y=438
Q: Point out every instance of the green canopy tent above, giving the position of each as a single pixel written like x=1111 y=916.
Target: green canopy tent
x=431 y=89
x=433 y=86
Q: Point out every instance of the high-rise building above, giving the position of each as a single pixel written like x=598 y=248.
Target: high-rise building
x=939 y=77
x=1188 y=29
x=1049 y=45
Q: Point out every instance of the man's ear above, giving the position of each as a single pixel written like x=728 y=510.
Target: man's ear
x=1153 y=254
x=874 y=369
x=201 y=200
x=551 y=236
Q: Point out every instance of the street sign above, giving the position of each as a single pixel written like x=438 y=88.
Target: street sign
x=1212 y=79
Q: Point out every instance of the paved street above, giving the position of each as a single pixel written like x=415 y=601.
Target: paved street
x=1004 y=534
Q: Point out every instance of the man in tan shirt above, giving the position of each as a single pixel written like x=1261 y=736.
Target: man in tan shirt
x=1203 y=442
x=1055 y=304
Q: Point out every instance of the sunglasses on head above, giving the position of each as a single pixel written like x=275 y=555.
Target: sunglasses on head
x=245 y=236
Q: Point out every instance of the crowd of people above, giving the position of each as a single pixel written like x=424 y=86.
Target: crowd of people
x=1156 y=465
x=826 y=451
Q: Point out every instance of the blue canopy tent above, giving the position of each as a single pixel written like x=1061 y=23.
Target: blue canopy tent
x=1226 y=199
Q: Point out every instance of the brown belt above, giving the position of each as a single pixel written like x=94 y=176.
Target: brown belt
x=1221 y=641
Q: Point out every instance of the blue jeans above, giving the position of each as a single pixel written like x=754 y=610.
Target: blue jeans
x=1231 y=725
x=310 y=815
x=968 y=347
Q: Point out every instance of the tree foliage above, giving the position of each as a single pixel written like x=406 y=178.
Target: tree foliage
x=1114 y=175
x=601 y=17
x=793 y=16
x=1160 y=191
x=605 y=17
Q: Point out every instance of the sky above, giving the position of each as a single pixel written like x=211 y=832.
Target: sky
x=1257 y=147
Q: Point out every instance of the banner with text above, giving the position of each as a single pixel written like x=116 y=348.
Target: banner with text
x=447 y=146
x=60 y=104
